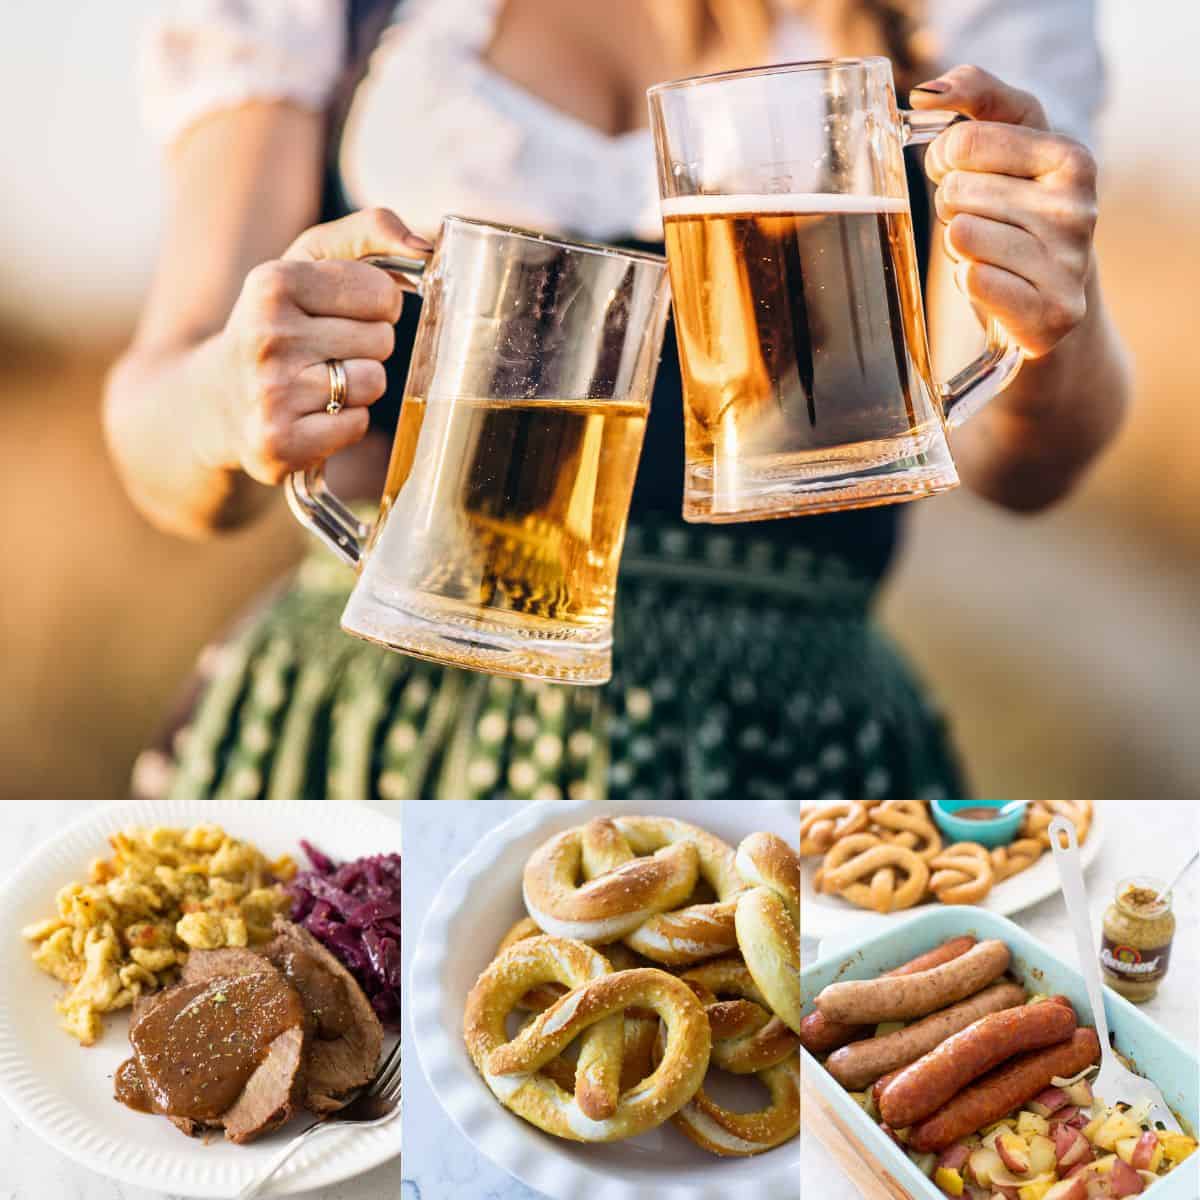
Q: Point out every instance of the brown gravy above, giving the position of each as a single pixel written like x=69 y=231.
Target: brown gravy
x=977 y=814
x=196 y=1048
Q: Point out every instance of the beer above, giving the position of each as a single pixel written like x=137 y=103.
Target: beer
x=508 y=514
x=803 y=351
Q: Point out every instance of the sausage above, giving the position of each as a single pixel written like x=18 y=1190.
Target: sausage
x=879 y=1084
x=922 y=1088
x=819 y=1035
x=862 y=1001
x=861 y=1063
x=1001 y=1091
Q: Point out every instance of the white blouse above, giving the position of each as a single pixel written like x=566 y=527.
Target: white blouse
x=433 y=129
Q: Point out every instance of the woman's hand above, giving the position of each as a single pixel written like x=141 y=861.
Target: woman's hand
x=1019 y=206
x=294 y=314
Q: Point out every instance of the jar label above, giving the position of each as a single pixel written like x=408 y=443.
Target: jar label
x=1140 y=966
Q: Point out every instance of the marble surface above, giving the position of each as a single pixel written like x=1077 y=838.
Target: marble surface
x=439 y=1163
x=1143 y=836
x=32 y=1170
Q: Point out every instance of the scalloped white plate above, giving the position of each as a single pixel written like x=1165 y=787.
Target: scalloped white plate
x=63 y=1091
x=475 y=906
x=831 y=916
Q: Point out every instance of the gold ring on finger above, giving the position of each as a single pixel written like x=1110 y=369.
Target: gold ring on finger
x=337 y=387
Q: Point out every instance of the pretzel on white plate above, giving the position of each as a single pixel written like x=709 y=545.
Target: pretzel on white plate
x=768 y=922
x=962 y=874
x=619 y=956
x=907 y=823
x=639 y=874
x=747 y=1038
x=822 y=824
x=592 y=1008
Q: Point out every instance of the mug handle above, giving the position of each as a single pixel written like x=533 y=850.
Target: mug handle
x=308 y=496
x=967 y=391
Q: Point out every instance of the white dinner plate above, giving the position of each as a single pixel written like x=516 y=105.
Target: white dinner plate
x=64 y=1091
x=471 y=913
x=826 y=916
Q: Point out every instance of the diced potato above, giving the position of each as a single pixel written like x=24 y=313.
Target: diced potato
x=1115 y=1129
x=1035 y=1191
x=1029 y=1124
x=1177 y=1146
x=1042 y=1159
x=951 y=1182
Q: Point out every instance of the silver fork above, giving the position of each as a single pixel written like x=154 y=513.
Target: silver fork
x=1115 y=1081
x=376 y=1104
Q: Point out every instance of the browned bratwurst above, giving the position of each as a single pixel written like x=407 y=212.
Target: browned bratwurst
x=862 y=1001
x=922 y=1088
x=1004 y=1089
x=858 y=1065
x=819 y=1035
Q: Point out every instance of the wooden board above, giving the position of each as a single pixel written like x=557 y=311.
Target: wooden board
x=855 y=1158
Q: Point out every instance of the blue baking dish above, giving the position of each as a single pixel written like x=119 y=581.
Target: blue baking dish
x=1154 y=1052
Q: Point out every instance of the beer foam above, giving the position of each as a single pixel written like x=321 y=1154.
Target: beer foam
x=781 y=202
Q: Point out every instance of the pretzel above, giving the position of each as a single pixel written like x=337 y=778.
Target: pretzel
x=636 y=868
x=906 y=823
x=1039 y=815
x=963 y=874
x=735 y=1134
x=865 y=856
x=620 y=958
x=768 y=922
x=823 y=824
x=638 y=1060
x=591 y=1008
x=774 y=1061
x=747 y=1038
x=1014 y=858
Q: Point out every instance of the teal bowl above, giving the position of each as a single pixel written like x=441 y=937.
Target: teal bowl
x=998 y=832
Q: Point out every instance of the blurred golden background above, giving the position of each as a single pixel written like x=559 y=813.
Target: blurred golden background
x=1066 y=646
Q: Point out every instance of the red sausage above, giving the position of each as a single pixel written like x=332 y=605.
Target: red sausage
x=923 y=1087
x=879 y=1084
x=1004 y=1089
x=821 y=1036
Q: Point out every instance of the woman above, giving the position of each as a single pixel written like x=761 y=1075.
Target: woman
x=757 y=671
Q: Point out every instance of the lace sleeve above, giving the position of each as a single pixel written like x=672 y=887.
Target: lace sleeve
x=1047 y=47
x=198 y=56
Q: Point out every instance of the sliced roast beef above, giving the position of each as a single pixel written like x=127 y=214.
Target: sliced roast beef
x=203 y=965
x=345 y=1034
x=226 y=1051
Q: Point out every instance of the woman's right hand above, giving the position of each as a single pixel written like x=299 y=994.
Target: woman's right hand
x=294 y=314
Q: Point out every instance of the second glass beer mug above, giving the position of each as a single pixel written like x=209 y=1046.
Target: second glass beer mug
x=797 y=295
x=502 y=520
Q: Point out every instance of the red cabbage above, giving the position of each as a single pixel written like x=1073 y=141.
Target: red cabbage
x=354 y=911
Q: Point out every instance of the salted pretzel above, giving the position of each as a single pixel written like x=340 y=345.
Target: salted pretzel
x=896 y=877
x=641 y=874
x=768 y=922
x=592 y=1009
x=962 y=874
x=823 y=824
x=739 y=1135
x=1014 y=858
x=641 y=1036
x=620 y=958
x=747 y=1037
x=1041 y=812
x=906 y=823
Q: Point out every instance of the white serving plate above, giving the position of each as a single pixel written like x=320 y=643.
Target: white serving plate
x=831 y=916
x=472 y=911
x=63 y=1091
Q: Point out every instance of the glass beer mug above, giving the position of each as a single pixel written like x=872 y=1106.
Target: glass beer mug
x=798 y=311
x=500 y=529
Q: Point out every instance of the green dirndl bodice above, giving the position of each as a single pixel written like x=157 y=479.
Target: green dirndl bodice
x=742 y=668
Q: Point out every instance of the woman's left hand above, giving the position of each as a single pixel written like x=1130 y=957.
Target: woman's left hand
x=1019 y=206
